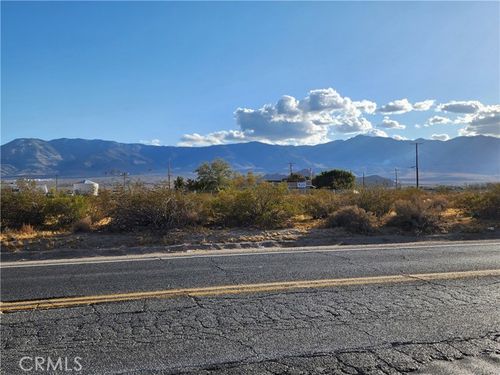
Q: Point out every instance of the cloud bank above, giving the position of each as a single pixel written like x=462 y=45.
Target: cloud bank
x=311 y=120
x=486 y=121
x=403 y=106
x=153 y=142
x=324 y=114
x=387 y=123
x=440 y=137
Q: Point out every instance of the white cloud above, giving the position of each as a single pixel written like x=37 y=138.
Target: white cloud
x=397 y=107
x=312 y=120
x=403 y=106
x=387 y=123
x=485 y=122
x=153 y=142
x=366 y=106
x=215 y=138
x=377 y=133
x=471 y=106
x=323 y=99
x=288 y=105
x=324 y=114
x=440 y=137
x=350 y=124
x=399 y=137
x=423 y=105
x=438 y=120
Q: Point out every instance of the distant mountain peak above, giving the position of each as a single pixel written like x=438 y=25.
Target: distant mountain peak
x=372 y=155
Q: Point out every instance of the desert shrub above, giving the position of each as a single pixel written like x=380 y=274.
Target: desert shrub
x=439 y=202
x=443 y=189
x=320 y=204
x=481 y=204
x=101 y=206
x=82 y=225
x=23 y=207
x=156 y=208
x=376 y=200
x=408 y=193
x=233 y=208
x=352 y=218
x=61 y=210
x=263 y=205
x=416 y=215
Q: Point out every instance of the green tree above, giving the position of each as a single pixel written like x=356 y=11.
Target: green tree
x=336 y=179
x=296 y=177
x=179 y=183
x=214 y=176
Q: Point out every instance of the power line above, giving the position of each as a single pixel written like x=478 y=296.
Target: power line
x=168 y=174
x=416 y=164
x=124 y=175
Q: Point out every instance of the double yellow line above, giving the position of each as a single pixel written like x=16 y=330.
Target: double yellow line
x=281 y=286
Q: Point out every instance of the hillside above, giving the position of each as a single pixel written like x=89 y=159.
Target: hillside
x=459 y=158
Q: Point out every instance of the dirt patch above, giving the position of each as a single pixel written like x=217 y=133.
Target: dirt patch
x=51 y=245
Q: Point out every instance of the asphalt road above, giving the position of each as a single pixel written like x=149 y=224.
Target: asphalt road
x=31 y=280
x=388 y=328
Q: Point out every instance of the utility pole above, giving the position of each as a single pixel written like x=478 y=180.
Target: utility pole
x=416 y=164
x=124 y=174
x=169 y=175
x=363 y=179
x=396 y=174
x=290 y=166
x=57 y=177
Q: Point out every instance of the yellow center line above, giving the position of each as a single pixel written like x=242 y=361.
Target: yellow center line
x=236 y=289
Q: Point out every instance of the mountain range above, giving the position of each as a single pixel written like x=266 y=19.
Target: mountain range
x=459 y=159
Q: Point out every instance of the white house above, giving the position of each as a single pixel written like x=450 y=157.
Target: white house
x=86 y=187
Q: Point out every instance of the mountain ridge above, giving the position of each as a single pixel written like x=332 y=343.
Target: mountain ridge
x=479 y=155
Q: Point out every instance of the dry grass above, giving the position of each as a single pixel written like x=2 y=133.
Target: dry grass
x=166 y=217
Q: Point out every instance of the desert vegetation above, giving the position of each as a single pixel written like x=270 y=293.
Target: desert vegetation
x=219 y=198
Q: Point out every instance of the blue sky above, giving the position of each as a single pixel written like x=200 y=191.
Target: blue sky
x=202 y=73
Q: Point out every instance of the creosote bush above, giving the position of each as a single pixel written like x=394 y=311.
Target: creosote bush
x=416 y=215
x=378 y=201
x=481 y=204
x=82 y=225
x=263 y=205
x=156 y=208
x=61 y=211
x=244 y=201
x=352 y=218
x=25 y=207
x=319 y=204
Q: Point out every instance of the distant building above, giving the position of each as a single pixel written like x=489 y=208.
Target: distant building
x=86 y=187
x=43 y=188
x=12 y=185
x=300 y=185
